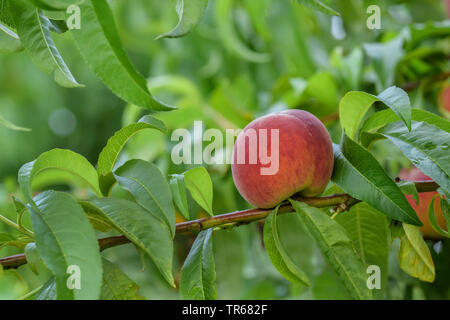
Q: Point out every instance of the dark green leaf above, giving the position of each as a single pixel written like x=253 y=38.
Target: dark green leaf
x=358 y=173
x=33 y=29
x=198 y=275
x=150 y=189
x=64 y=239
x=99 y=43
x=426 y=146
x=147 y=232
x=179 y=194
x=337 y=248
x=116 y=284
x=278 y=255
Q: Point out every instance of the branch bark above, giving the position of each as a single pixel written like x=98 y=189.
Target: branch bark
x=236 y=218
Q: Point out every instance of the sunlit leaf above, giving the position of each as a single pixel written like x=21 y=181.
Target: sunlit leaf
x=190 y=13
x=199 y=183
x=414 y=255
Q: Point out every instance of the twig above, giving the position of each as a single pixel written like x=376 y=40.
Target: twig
x=237 y=218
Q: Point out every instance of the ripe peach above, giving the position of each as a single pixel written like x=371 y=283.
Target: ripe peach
x=425 y=198
x=298 y=157
x=444 y=100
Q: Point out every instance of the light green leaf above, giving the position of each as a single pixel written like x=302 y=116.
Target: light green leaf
x=116 y=284
x=99 y=43
x=150 y=189
x=65 y=238
x=33 y=257
x=228 y=35
x=33 y=29
x=414 y=255
x=355 y=104
x=190 y=13
x=9 y=41
x=198 y=275
x=337 y=248
x=9 y=125
x=146 y=231
x=319 y=5
x=426 y=146
x=110 y=153
x=409 y=187
x=369 y=231
x=59 y=159
x=179 y=194
x=199 y=183
x=280 y=259
x=359 y=174
x=433 y=221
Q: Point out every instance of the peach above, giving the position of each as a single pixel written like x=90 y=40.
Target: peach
x=444 y=100
x=414 y=174
x=294 y=154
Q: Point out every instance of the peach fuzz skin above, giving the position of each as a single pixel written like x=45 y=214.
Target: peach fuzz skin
x=305 y=159
x=425 y=198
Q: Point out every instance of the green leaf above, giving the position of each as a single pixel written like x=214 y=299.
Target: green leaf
x=409 y=187
x=99 y=43
x=147 y=232
x=110 y=153
x=397 y=99
x=414 y=255
x=229 y=37
x=48 y=291
x=319 y=5
x=190 y=13
x=198 y=274
x=179 y=194
x=33 y=29
x=369 y=231
x=116 y=284
x=33 y=257
x=337 y=248
x=355 y=104
x=65 y=238
x=359 y=174
x=55 y=4
x=426 y=146
x=199 y=183
x=433 y=221
x=59 y=159
x=9 y=240
x=150 y=189
x=384 y=117
x=9 y=41
x=278 y=255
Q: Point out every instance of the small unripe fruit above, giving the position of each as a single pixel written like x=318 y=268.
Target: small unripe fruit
x=294 y=154
x=425 y=198
x=444 y=100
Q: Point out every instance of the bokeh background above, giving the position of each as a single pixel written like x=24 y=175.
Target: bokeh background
x=245 y=59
